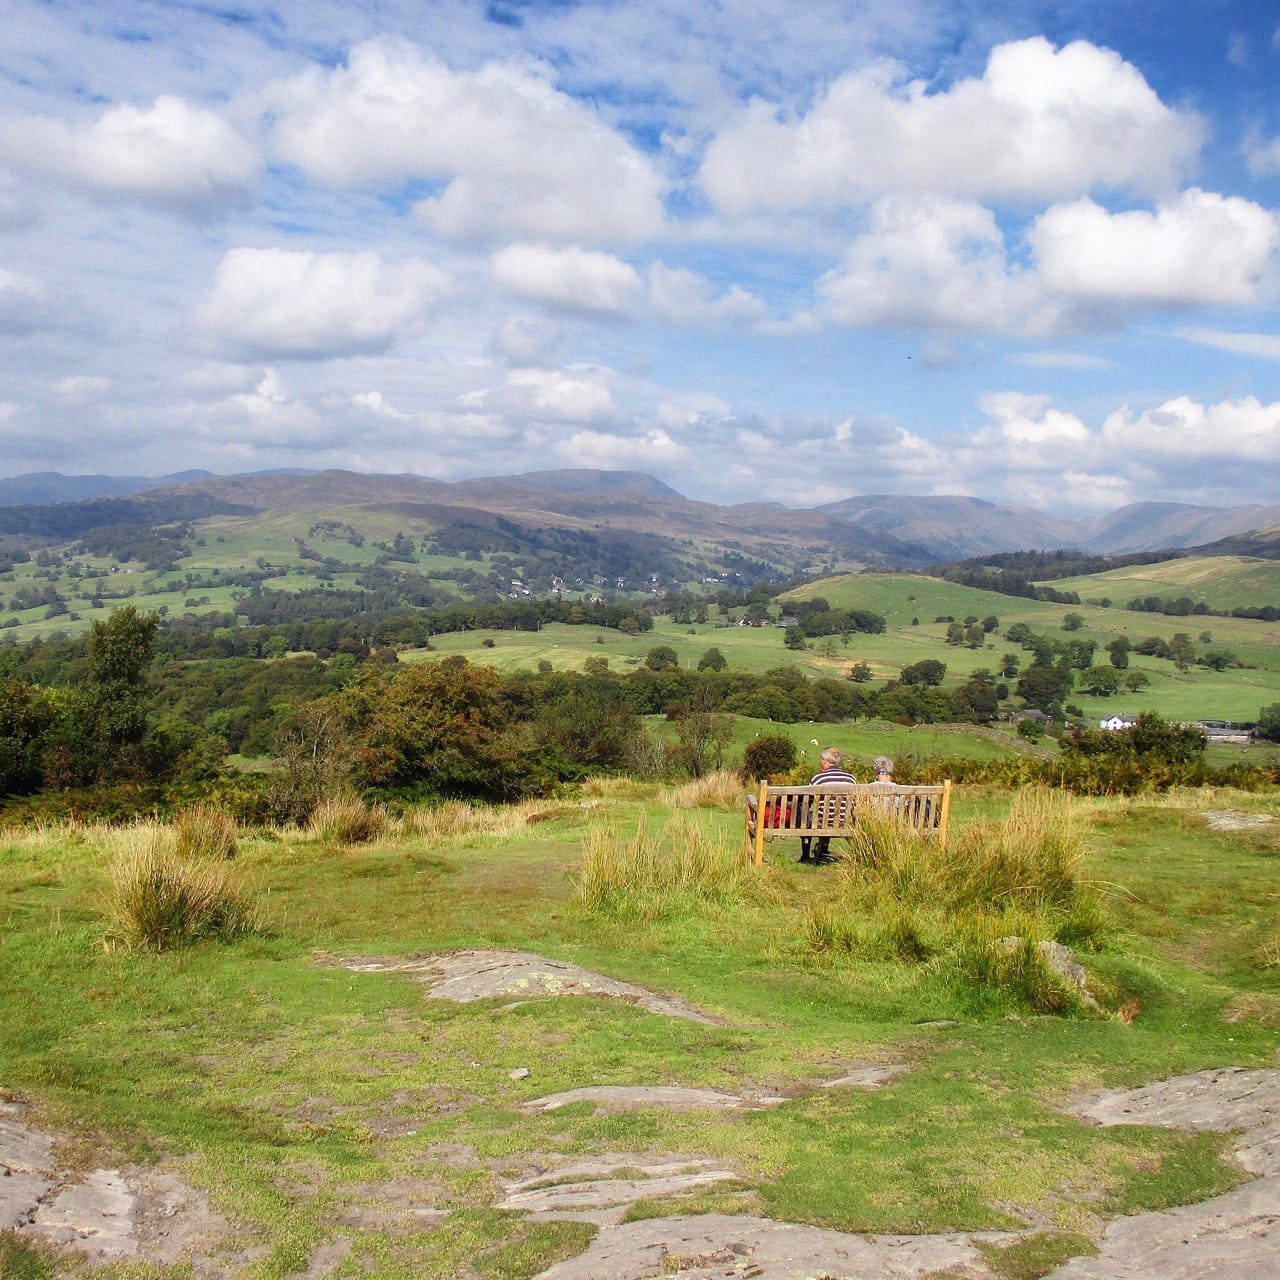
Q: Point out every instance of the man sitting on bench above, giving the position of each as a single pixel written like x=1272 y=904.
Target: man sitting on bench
x=830 y=771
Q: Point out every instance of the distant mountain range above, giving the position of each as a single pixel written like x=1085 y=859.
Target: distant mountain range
x=879 y=531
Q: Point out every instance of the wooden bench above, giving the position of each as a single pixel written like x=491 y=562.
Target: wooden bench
x=833 y=810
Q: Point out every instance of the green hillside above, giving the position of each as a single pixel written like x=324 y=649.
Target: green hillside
x=1221 y=582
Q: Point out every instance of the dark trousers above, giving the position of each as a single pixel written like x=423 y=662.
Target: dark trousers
x=823 y=849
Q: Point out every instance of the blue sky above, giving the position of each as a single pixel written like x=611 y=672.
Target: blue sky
x=777 y=251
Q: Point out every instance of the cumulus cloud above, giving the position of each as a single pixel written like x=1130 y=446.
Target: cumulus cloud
x=525 y=340
x=1202 y=248
x=574 y=279
x=928 y=263
x=650 y=448
x=685 y=298
x=1030 y=420
x=278 y=304
x=576 y=394
x=516 y=156
x=1041 y=124
x=1181 y=428
x=172 y=154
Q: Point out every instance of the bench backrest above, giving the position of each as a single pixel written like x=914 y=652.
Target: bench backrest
x=832 y=810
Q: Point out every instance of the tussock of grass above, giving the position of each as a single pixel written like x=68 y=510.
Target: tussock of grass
x=648 y=875
x=902 y=897
x=617 y=788
x=204 y=831
x=721 y=790
x=348 y=820
x=455 y=818
x=160 y=901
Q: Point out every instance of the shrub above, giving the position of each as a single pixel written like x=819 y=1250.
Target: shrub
x=771 y=755
x=204 y=831
x=160 y=901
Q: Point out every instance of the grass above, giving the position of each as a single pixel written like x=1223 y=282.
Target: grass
x=161 y=900
x=308 y=1100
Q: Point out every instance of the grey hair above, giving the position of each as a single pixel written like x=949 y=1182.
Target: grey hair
x=882 y=764
x=831 y=755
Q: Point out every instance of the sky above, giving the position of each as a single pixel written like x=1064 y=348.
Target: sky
x=784 y=250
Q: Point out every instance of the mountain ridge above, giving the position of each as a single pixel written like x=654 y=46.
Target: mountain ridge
x=878 y=529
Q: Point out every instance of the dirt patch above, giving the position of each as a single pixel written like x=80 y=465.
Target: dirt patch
x=465 y=976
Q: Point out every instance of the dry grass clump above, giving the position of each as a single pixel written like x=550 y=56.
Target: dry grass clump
x=346 y=819
x=455 y=818
x=160 y=900
x=607 y=787
x=648 y=875
x=722 y=790
x=204 y=831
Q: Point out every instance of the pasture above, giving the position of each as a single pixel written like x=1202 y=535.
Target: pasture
x=340 y=1123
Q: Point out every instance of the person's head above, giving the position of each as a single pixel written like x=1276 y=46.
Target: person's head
x=883 y=767
x=831 y=757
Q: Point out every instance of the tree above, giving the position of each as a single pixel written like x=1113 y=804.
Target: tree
x=1072 y=621
x=1269 y=722
x=1136 y=680
x=1043 y=686
x=860 y=673
x=793 y=637
x=1009 y=665
x=25 y=715
x=928 y=671
x=1102 y=682
x=701 y=736
x=712 y=660
x=661 y=658
x=1118 y=651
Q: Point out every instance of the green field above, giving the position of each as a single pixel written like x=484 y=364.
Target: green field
x=328 y=1113
x=1223 y=582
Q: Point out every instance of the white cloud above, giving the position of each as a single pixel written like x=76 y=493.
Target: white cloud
x=682 y=297
x=550 y=395
x=928 y=263
x=276 y=303
x=1263 y=157
x=1202 y=248
x=1181 y=429
x=1265 y=345
x=650 y=448
x=517 y=157
x=1030 y=420
x=525 y=340
x=22 y=302
x=1061 y=360
x=80 y=388
x=1040 y=124
x=574 y=279
x=171 y=154
x=375 y=403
